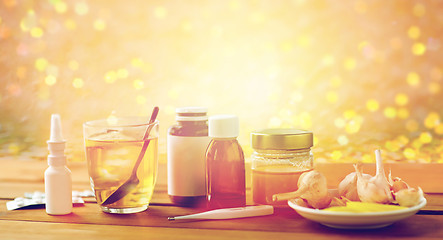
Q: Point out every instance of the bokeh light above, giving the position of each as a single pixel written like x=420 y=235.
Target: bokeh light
x=77 y=83
x=360 y=75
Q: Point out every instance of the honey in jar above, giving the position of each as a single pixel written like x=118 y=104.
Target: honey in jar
x=280 y=157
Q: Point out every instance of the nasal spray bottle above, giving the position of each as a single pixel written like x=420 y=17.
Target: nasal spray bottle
x=58 y=182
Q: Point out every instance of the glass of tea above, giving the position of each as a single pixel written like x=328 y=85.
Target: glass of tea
x=112 y=147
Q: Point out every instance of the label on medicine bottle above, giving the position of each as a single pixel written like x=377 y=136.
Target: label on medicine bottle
x=186 y=165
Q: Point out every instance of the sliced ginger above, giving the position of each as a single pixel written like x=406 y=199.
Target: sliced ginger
x=363 y=207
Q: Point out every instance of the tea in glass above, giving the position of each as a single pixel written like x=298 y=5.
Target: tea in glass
x=112 y=149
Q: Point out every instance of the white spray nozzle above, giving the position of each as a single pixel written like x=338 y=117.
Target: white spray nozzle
x=56 y=129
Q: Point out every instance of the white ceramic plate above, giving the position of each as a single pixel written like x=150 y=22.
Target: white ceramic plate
x=346 y=220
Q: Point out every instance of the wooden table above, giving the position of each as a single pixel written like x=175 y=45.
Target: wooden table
x=88 y=222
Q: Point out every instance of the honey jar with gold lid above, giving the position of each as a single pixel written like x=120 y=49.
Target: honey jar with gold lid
x=280 y=156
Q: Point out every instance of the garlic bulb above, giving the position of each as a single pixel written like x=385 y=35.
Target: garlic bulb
x=348 y=186
x=375 y=189
x=312 y=187
x=409 y=197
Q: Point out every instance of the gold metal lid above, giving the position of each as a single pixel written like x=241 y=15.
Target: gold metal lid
x=281 y=139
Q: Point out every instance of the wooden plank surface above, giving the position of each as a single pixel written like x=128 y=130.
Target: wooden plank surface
x=23 y=230
x=47 y=231
x=284 y=221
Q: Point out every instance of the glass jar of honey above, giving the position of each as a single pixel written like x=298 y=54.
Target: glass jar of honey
x=280 y=156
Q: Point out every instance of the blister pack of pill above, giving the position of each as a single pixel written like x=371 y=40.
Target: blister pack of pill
x=37 y=200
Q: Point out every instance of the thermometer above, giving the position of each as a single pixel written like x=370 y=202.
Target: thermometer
x=229 y=213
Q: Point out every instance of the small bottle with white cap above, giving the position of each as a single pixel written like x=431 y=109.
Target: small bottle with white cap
x=225 y=164
x=58 y=181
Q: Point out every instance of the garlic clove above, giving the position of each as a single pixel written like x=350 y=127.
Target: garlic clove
x=409 y=197
x=397 y=184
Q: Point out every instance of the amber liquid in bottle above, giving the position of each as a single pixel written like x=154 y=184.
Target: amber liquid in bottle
x=225 y=169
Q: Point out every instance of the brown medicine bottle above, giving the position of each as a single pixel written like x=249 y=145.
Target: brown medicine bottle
x=187 y=141
x=225 y=164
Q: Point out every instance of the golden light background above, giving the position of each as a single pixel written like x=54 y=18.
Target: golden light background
x=359 y=74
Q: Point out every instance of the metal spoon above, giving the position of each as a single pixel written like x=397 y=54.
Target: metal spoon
x=133 y=181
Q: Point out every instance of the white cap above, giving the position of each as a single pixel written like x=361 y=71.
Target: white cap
x=56 y=143
x=223 y=126
x=56 y=129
